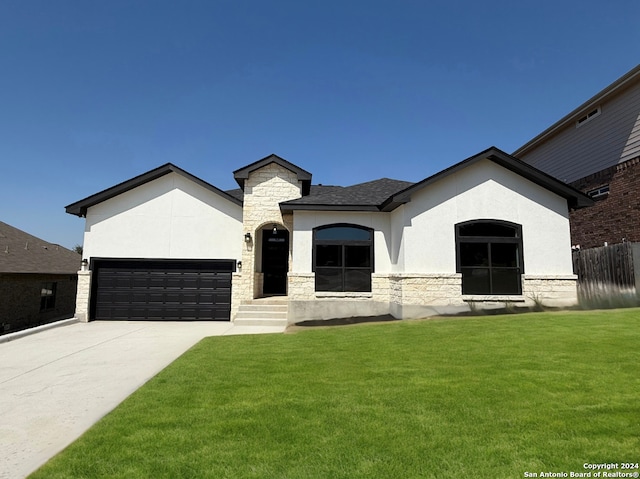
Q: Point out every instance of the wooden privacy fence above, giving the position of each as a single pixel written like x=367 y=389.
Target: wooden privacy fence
x=608 y=271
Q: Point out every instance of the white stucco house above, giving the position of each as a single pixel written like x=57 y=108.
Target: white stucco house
x=168 y=245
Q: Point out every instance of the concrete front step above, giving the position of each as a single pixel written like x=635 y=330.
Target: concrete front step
x=271 y=301
x=260 y=322
x=266 y=314
x=280 y=308
x=263 y=312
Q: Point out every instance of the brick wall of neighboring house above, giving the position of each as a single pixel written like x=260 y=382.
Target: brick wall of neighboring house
x=20 y=307
x=615 y=217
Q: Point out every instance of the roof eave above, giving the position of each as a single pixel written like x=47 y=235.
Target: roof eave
x=393 y=202
x=303 y=175
x=575 y=198
x=79 y=208
x=599 y=97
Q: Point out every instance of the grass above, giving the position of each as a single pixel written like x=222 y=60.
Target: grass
x=488 y=397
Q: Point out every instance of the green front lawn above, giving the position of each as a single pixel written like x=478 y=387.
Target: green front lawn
x=485 y=397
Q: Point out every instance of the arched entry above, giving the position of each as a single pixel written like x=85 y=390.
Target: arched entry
x=275 y=260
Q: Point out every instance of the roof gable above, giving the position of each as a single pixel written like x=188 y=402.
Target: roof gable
x=79 y=208
x=628 y=79
x=575 y=198
x=21 y=252
x=304 y=176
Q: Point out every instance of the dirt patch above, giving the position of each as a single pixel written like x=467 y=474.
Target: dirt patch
x=326 y=323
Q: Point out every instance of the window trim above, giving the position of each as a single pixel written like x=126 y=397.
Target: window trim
x=599 y=192
x=48 y=300
x=516 y=239
x=587 y=117
x=343 y=243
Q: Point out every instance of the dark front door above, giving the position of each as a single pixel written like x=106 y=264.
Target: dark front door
x=275 y=261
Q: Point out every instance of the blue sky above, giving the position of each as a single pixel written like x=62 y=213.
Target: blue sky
x=94 y=93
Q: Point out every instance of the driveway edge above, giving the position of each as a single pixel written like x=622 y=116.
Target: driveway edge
x=5 y=338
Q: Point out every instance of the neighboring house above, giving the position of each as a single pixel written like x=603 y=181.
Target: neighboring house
x=37 y=280
x=168 y=245
x=596 y=149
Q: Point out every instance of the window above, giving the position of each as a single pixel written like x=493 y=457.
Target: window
x=47 y=296
x=588 y=117
x=343 y=258
x=599 y=192
x=489 y=256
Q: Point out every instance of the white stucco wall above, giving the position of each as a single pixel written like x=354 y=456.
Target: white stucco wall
x=483 y=190
x=419 y=237
x=305 y=221
x=170 y=217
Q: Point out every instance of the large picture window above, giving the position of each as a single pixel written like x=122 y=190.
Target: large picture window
x=489 y=256
x=343 y=257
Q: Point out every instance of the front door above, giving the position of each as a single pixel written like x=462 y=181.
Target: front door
x=275 y=261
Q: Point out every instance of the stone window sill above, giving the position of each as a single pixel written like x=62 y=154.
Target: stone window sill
x=332 y=294
x=493 y=298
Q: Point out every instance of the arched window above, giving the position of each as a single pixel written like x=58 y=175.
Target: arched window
x=343 y=257
x=489 y=256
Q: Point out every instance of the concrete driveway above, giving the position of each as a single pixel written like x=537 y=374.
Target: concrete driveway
x=57 y=382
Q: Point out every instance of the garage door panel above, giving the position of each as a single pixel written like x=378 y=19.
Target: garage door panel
x=141 y=297
x=121 y=313
x=177 y=297
x=187 y=297
x=175 y=290
x=153 y=297
x=156 y=281
x=207 y=298
x=179 y=281
x=139 y=280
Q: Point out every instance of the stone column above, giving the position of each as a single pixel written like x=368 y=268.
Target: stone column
x=82 y=295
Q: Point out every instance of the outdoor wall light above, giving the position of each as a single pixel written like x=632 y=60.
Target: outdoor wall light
x=239 y=265
x=275 y=229
x=247 y=238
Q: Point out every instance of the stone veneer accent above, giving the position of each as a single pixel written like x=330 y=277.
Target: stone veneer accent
x=406 y=296
x=301 y=286
x=419 y=295
x=553 y=291
x=264 y=190
x=82 y=295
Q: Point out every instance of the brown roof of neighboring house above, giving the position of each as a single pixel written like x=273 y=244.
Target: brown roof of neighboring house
x=21 y=252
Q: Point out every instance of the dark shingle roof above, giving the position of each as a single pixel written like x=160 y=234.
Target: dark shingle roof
x=238 y=194
x=384 y=194
x=363 y=196
x=21 y=252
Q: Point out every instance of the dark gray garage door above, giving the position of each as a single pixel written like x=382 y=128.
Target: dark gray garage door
x=172 y=290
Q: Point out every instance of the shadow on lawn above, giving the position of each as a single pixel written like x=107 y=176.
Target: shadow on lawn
x=509 y=309
x=346 y=321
